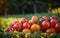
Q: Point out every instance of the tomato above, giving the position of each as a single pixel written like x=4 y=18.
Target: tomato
x=57 y=27
x=53 y=17
x=26 y=25
x=53 y=22
x=35 y=18
x=35 y=28
x=7 y=29
x=12 y=29
x=40 y=22
x=26 y=30
x=17 y=27
x=50 y=30
x=14 y=22
x=31 y=22
x=23 y=20
x=45 y=18
x=45 y=25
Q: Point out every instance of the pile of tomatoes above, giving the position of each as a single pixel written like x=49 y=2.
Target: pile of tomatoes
x=36 y=24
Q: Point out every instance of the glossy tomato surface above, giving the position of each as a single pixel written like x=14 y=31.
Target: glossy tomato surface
x=45 y=25
x=26 y=25
x=57 y=27
x=53 y=22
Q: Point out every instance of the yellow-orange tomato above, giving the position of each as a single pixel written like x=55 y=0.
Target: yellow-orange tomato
x=26 y=30
x=35 y=28
x=35 y=18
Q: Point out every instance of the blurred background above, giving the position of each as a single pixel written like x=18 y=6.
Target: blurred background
x=14 y=10
x=29 y=6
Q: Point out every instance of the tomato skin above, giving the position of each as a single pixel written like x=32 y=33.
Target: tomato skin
x=26 y=30
x=40 y=22
x=50 y=30
x=8 y=29
x=45 y=18
x=17 y=27
x=35 y=18
x=35 y=28
x=14 y=23
x=53 y=22
x=53 y=17
x=57 y=27
x=23 y=20
x=26 y=25
x=45 y=25
x=31 y=22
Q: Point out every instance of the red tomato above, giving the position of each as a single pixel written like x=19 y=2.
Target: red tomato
x=57 y=27
x=53 y=22
x=31 y=22
x=14 y=22
x=50 y=30
x=53 y=17
x=26 y=25
x=23 y=20
x=45 y=25
x=17 y=27
x=7 y=30
x=40 y=22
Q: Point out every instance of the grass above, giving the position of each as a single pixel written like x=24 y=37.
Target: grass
x=27 y=15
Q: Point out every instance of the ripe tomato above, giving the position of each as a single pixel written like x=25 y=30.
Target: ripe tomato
x=57 y=27
x=26 y=30
x=45 y=25
x=7 y=29
x=40 y=22
x=35 y=28
x=35 y=18
x=31 y=22
x=45 y=18
x=26 y=25
x=17 y=27
x=23 y=20
x=50 y=30
x=53 y=17
x=14 y=22
x=53 y=22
